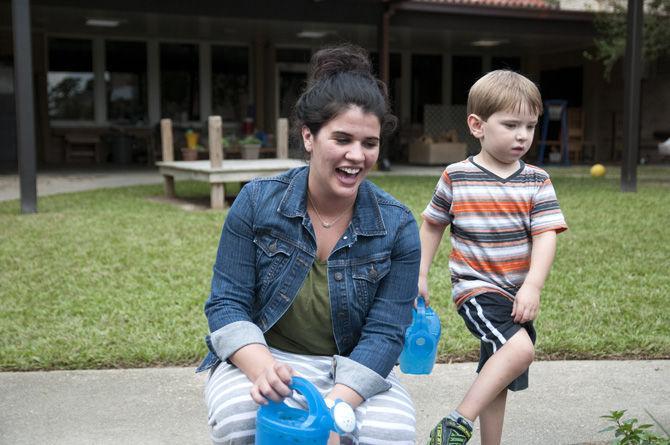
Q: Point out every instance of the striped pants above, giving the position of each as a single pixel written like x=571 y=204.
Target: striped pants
x=386 y=418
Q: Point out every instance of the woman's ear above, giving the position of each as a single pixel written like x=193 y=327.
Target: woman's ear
x=307 y=139
x=475 y=124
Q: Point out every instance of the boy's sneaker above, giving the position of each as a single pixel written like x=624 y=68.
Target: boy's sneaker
x=448 y=432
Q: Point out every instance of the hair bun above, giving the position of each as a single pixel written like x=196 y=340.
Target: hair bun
x=340 y=59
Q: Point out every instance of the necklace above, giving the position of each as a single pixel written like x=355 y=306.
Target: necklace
x=324 y=224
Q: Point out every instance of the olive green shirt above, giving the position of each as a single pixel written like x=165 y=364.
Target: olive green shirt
x=307 y=327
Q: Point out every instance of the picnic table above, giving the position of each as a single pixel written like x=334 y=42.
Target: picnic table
x=216 y=171
x=232 y=170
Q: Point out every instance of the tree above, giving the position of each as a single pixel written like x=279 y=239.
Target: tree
x=610 y=43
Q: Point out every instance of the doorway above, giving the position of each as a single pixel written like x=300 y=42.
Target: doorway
x=291 y=81
x=8 y=154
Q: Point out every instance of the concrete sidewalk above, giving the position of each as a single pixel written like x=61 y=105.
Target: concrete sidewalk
x=165 y=406
x=52 y=183
x=67 y=181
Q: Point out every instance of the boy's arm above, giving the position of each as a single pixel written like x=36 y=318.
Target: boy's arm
x=430 y=235
x=527 y=301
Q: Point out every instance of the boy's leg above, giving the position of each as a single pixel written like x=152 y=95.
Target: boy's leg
x=498 y=372
x=488 y=317
x=491 y=420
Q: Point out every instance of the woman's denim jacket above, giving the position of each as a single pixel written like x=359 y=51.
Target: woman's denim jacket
x=266 y=250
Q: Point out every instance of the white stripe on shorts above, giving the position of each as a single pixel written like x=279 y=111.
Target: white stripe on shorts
x=387 y=418
x=476 y=325
x=489 y=325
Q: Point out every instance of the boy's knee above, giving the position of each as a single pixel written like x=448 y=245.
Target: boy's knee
x=525 y=350
x=529 y=353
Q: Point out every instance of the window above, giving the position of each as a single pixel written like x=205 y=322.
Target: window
x=180 y=89
x=506 y=63
x=230 y=82
x=465 y=71
x=564 y=84
x=126 y=81
x=426 y=83
x=70 y=79
x=293 y=55
x=395 y=74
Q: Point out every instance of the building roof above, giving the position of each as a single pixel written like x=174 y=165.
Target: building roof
x=533 y=4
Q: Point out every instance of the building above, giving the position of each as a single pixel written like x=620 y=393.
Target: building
x=108 y=71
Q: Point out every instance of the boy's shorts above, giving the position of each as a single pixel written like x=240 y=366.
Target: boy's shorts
x=488 y=317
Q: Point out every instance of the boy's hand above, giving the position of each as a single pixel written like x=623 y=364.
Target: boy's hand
x=526 y=304
x=423 y=290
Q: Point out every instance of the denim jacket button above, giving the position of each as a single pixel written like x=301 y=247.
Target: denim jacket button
x=338 y=276
x=273 y=247
x=373 y=273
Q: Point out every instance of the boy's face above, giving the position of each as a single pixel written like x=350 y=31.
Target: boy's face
x=506 y=135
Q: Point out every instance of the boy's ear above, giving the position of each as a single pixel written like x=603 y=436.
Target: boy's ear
x=475 y=124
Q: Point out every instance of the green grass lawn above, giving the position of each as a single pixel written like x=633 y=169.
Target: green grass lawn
x=109 y=278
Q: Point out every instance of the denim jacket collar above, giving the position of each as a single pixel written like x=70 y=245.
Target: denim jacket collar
x=366 y=221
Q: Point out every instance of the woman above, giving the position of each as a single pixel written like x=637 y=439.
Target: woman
x=316 y=271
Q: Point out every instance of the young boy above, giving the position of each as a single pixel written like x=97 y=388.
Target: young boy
x=504 y=218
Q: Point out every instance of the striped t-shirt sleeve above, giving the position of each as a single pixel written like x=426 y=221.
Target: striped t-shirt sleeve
x=438 y=210
x=546 y=214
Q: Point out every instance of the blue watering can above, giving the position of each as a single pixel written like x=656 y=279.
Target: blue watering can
x=279 y=424
x=421 y=338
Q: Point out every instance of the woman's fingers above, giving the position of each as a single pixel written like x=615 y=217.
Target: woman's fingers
x=257 y=396
x=269 y=392
x=284 y=372
x=272 y=384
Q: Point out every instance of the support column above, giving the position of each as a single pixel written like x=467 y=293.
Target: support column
x=25 y=113
x=99 y=87
x=217 y=191
x=282 y=138
x=168 y=155
x=205 y=65
x=406 y=88
x=258 y=76
x=153 y=82
x=446 y=78
x=631 y=105
x=217 y=196
x=384 y=71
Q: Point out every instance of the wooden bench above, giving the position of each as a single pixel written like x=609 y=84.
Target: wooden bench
x=215 y=171
x=82 y=146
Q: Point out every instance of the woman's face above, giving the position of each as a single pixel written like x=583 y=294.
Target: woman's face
x=342 y=153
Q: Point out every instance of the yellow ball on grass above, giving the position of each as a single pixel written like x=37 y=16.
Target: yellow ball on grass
x=598 y=171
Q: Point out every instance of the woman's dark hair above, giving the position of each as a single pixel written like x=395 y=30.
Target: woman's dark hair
x=341 y=76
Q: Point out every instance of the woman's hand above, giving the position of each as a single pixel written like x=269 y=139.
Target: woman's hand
x=270 y=378
x=272 y=383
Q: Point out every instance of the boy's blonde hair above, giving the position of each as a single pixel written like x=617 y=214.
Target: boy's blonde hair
x=503 y=90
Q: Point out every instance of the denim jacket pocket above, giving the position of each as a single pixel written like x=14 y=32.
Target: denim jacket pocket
x=271 y=256
x=367 y=273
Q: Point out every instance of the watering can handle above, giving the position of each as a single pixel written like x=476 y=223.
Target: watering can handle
x=421 y=306
x=314 y=400
x=421 y=319
x=315 y=403
x=339 y=417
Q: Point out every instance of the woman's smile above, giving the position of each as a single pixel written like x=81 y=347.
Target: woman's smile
x=341 y=155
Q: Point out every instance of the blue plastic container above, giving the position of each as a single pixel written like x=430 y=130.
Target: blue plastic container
x=421 y=338
x=279 y=424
